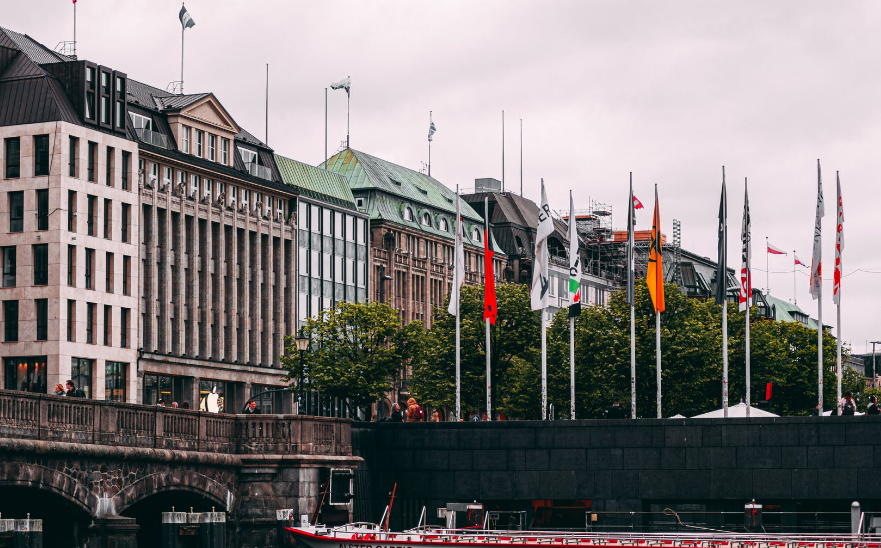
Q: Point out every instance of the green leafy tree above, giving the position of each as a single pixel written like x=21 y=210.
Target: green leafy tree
x=512 y=346
x=357 y=351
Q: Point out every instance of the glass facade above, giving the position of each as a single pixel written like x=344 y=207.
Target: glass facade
x=115 y=381
x=168 y=388
x=332 y=260
x=226 y=400
x=27 y=374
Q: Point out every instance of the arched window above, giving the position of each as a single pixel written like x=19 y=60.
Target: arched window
x=408 y=214
x=426 y=219
x=475 y=235
x=444 y=225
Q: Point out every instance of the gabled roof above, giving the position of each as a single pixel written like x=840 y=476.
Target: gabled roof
x=316 y=183
x=178 y=102
x=366 y=172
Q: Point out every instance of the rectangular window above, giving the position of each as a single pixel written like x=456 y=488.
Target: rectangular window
x=42 y=319
x=13 y=157
x=181 y=180
x=123 y=326
x=105 y=110
x=27 y=374
x=224 y=151
x=108 y=325
x=154 y=173
x=93 y=162
x=71 y=320
x=10 y=320
x=126 y=169
x=9 y=266
x=206 y=187
x=124 y=221
x=108 y=268
x=200 y=137
x=90 y=268
x=81 y=374
x=91 y=214
x=41 y=155
x=108 y=219
x=16 y=211
x=41 y=264
x=90 y=323
x=185 y=139
x=42 y=210
x=115 y=381
x=167 y=175
x=212 y=145
x=71 y=265
x=73 y=160
x=71 y=210
x=111 y=157
x=126 y=275
x=194 y=185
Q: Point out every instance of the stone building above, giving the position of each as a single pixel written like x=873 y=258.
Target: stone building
x=69 y=222
x=412 y=233
x=218 y=250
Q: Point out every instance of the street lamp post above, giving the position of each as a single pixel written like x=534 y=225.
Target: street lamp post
x=302 y=342
x=874 y=371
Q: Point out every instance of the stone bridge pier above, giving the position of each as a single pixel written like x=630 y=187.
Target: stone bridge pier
x=100 y=474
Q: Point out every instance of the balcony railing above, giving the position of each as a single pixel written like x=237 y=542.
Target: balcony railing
x=257 y=170
x=24 y=415
x=152 y=138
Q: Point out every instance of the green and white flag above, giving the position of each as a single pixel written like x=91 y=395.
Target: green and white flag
x=574 y=264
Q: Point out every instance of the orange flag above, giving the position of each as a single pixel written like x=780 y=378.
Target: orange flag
x=655 y=277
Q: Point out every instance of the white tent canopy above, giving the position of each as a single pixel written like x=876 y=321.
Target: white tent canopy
x=735 y=412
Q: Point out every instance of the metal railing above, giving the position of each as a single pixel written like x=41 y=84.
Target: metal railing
x=152 y=138
x=815 y=522
x=257 y=170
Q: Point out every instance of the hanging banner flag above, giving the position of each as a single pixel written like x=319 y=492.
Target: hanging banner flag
x=817 y=259
x=839 y=246
x=631 y=220
x=541 y=281
x=574 y=263
x=458 y=262
x=774 y=250
x=655 y=277
x=722 y=260
x=489 y=279
x=746 y=285
x=185 y=18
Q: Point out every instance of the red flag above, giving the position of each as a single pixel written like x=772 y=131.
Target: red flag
x=799 y=263
x=489 y=279
x=773 y=250
x=636 y=203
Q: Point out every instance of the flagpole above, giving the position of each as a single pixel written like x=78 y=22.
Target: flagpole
x=658 y=356
x=325 y=129
x=429 y=144
x=521 y=156
x=572 y=368
x=836 y=279
x=503 y=151
x=348 y=99
x=74 y=28
x=458 y=326
x=819 y=311
x=182 y=30
x=722 y=278
x=267 y=104
x=767 y=268
x=631 y=275
x=838 y=393
x=489 y=406
x=749 y=296
x=794 y=297
x=544 y=366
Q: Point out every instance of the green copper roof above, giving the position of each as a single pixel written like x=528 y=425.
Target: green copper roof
x=787 y=312
x=389 y=189
x=315 y=183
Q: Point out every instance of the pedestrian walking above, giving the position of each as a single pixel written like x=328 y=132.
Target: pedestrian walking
x=414 y=411
x=59 y=390
x=252 y=408
x=615 y=412
x=73 y=391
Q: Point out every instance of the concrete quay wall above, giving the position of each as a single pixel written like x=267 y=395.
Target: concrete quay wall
x=797 y=462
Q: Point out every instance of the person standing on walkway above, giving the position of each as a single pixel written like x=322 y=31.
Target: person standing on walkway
x=615 y=412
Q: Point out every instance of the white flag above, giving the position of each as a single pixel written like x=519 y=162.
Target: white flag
x=574 y=259
x=185 y=18
x=458 y=262
x=541 y=281
x=746 y=282
x=345 y=83
x=839 y=246
x=817 y=259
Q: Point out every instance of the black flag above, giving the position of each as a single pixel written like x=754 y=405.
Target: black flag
x=722 y=264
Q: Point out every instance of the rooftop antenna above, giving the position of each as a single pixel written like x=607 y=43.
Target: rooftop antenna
x=267 y=104
x=521 y=156
x=74 y=28
x=503 y=151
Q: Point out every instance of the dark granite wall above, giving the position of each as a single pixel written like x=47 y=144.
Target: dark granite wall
x=621 y=465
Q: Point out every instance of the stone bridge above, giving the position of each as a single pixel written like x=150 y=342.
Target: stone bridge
x=101 y=471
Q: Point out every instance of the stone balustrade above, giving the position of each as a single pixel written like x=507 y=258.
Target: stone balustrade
x=41 y=417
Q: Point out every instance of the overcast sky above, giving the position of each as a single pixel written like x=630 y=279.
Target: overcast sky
x=671 y=91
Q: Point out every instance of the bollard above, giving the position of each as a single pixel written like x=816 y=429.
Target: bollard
x=284 y=518
x=855 y=518
x=213 y=529
x=171 y=529
x=28 y=533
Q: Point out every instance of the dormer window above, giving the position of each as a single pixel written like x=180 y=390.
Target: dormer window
x=475 y=235
x=426 y=219
x=90 y=93
x=408 y=214
x=252 y=164
x=444 y=225
x=141 y=122
x=143 y=127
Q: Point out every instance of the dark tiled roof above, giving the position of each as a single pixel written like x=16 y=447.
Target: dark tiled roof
x=28 y=95
x=36 y=51
x=21 y=67
x=142 y=94
x=177 y=102
x=246 y=136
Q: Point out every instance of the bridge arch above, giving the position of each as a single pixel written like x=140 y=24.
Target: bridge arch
x=173 y=480
x=35 y=476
